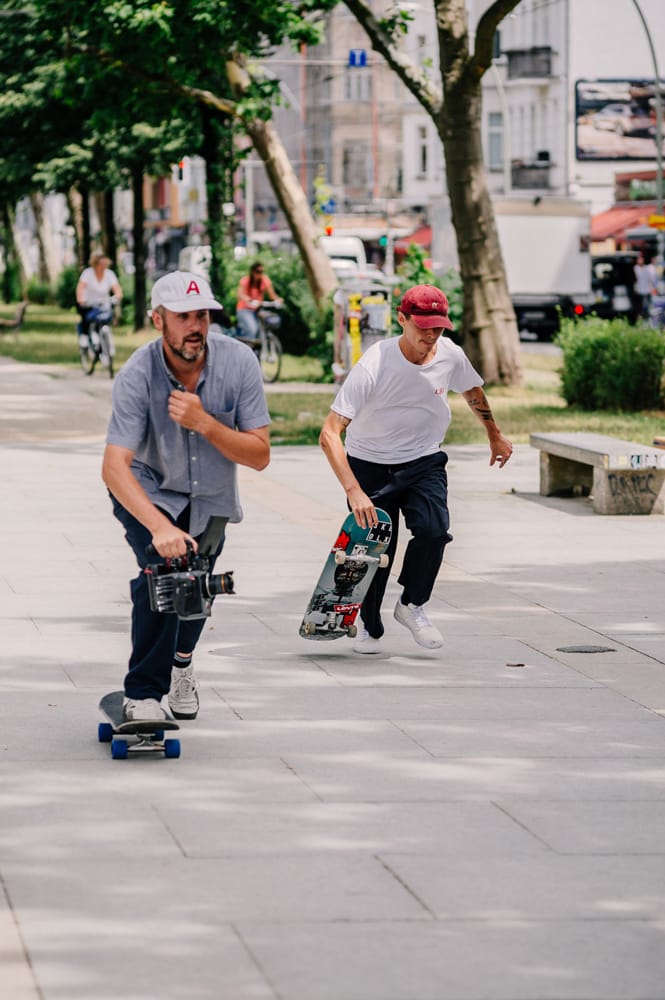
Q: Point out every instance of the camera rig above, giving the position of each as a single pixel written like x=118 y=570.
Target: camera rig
x=185 y=586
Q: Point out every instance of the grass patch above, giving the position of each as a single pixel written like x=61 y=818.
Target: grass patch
x=297 y=416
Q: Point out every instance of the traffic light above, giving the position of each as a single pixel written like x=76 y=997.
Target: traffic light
x=181 y=167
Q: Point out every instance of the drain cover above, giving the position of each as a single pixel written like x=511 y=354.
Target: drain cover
x=585 y=649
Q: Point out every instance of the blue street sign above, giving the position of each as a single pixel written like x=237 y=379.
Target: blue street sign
x=357 y=57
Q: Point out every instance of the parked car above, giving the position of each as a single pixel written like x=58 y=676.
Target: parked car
x=623 y=119
x=613 y=285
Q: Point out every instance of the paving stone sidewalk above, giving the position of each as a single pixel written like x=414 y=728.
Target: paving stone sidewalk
x=482 y=821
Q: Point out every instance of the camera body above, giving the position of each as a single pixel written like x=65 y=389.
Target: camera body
x=185 y=586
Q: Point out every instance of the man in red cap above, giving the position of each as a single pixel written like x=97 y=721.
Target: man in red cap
x=383 y=439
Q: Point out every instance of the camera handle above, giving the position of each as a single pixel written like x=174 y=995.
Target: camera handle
x=210 y=539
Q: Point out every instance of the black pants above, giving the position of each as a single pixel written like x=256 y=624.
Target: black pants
x=419 y=489
x=155 y=637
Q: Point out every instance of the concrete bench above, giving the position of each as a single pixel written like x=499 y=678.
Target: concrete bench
x=622 y=477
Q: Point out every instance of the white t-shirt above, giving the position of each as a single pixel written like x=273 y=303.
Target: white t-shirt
x=97 y=293
x=646 y=277
x=399 y=411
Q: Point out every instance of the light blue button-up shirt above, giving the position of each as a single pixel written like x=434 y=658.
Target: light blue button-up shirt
x=176 y=466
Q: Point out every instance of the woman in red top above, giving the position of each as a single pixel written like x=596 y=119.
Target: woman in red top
x=251 y=292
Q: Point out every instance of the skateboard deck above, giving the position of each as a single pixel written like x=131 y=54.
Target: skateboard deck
x=345 y=579
x=140 y=736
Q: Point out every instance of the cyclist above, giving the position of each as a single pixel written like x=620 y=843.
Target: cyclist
x=98 y=288
x=252 y=290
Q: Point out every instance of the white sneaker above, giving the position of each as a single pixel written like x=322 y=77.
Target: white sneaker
x=413 y=617
x=366 y=643
x=142 y=709
x=183 y=693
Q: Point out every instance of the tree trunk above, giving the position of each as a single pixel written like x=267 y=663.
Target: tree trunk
x=321 y=278
x=213 y=154
x=320 y=275
x=13 y=275
x=48 y=265
x=140 y=300
x=75 y=206
x=491 y=337
x=104 y=206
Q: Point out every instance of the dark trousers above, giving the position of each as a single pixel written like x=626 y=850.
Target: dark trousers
x=419 y=490
x=156 y=637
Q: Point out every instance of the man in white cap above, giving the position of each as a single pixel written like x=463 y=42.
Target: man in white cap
x=383 y=439
x=188 y=408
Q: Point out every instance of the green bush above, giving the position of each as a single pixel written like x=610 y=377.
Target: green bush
x=65 y=291
x=608 y=365
x=39 y=292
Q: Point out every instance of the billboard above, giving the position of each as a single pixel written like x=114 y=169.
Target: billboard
x=615 y=119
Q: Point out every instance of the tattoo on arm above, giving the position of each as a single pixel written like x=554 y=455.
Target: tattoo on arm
x=480 y=405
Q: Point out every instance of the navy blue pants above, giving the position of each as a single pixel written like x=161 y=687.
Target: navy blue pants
x=419 y=490
x=156 y=637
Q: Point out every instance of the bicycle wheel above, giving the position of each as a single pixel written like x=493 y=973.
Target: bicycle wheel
x=88 y=358
x=270 y=357
x=106 y=348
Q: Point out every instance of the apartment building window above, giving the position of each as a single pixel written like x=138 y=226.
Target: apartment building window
x=355 y=165
x=358 y=84
x=534 y=62
x=495 y=140
x=423 y=149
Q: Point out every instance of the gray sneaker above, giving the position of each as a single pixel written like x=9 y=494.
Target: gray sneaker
x=413 y=617
x=184 y=693
x=142 y=709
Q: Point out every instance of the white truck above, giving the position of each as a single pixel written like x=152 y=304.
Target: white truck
x=545 y=242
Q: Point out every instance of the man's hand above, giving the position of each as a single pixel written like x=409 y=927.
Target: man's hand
x=186 y=409
x=171 y=542
x=500 y=450
x=362 y=508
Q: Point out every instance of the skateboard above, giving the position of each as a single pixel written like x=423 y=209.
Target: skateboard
x=141 y=736
x=356 y=555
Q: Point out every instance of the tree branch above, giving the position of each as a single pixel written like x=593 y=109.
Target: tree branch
x=489 y=22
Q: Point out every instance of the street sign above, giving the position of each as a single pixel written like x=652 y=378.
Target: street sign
x=657 y=221
x=357 y=58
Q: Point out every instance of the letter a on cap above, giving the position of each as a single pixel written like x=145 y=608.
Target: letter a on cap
x=192 y=287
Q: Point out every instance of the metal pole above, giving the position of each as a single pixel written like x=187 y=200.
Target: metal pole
x=659 y=130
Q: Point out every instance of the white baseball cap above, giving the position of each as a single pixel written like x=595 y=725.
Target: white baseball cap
x=182 y=291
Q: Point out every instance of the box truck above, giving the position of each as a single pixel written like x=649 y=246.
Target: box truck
x=545 y=242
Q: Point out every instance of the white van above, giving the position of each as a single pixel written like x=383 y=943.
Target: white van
x=347 y=254
x=196 y=259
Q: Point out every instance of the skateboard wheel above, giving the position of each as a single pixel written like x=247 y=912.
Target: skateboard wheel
x=383 y=561
x=309 y=629
x=105 y=732
x=119 y=749
x=158 y=735
x=172 y=748
x=352 y=631
x=340 y=557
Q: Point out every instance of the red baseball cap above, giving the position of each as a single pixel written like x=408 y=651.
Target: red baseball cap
x=427 y=306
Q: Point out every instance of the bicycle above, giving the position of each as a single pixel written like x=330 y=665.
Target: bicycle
x=267 y=346
x=98 y=344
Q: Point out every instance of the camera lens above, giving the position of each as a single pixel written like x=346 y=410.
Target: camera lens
x=220 y=583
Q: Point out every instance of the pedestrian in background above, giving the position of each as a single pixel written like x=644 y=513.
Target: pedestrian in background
x=253 y=288
x=646 y=284
x=98 y=288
